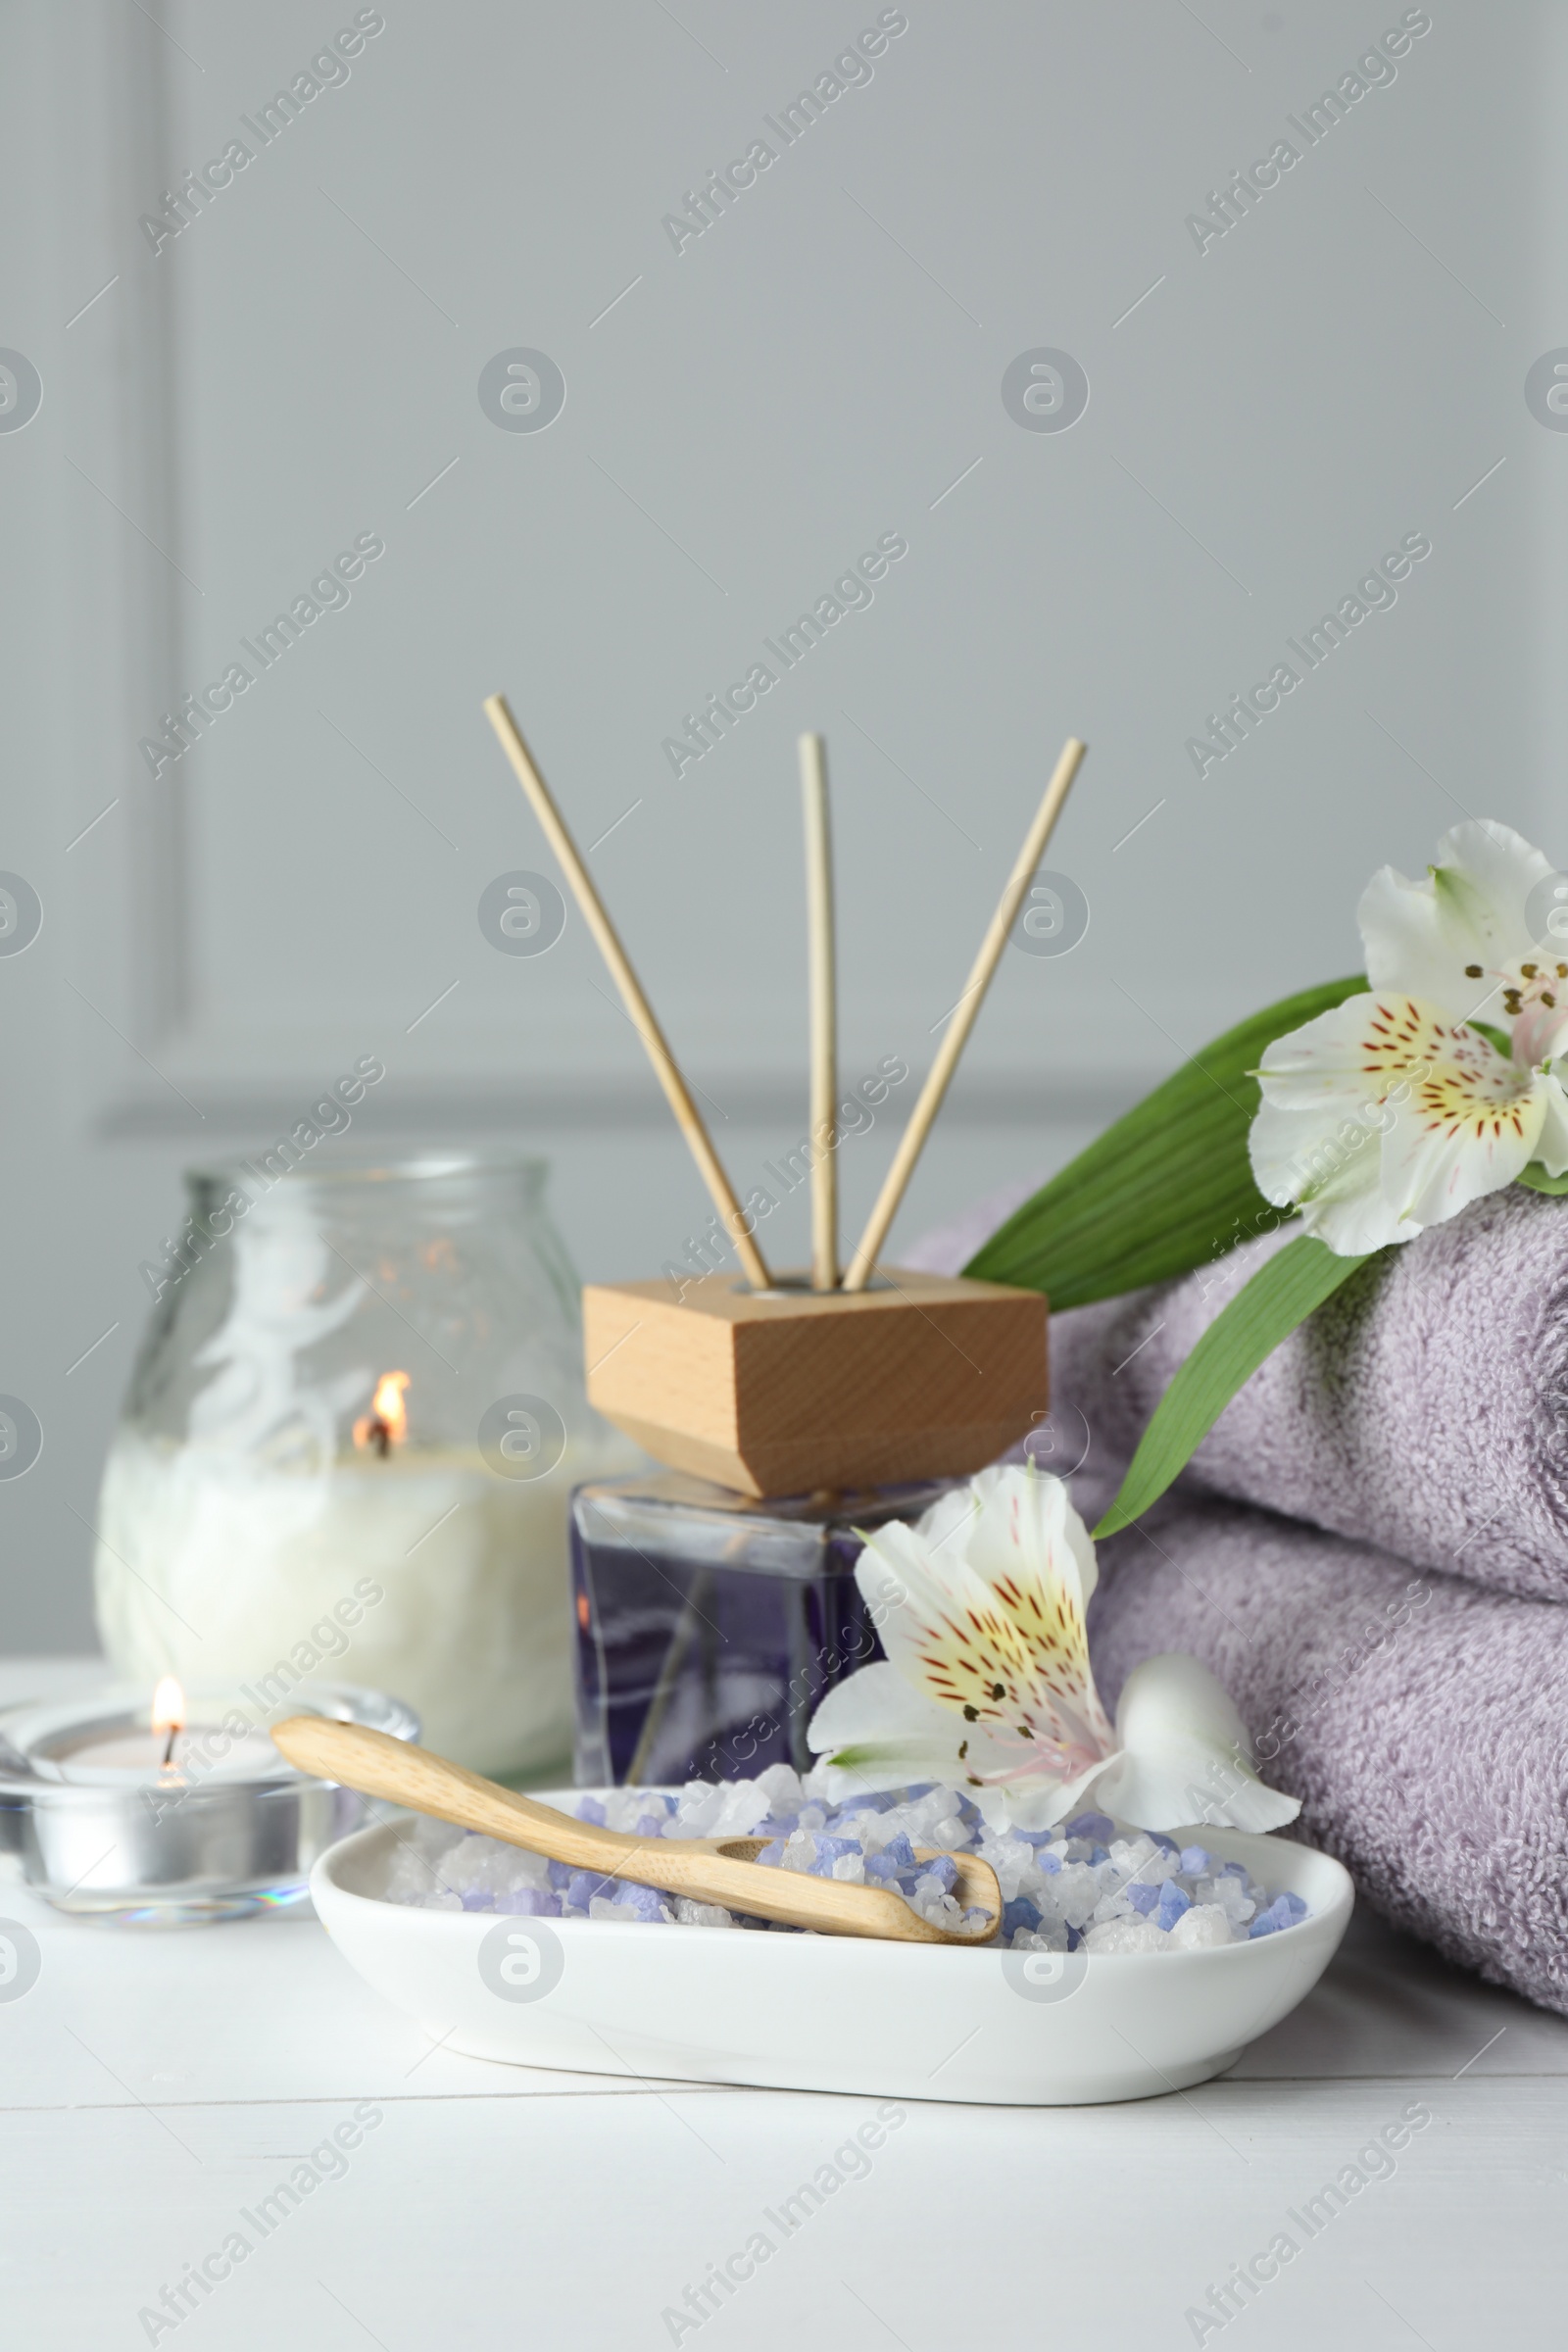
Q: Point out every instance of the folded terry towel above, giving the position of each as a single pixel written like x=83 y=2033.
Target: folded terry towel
x=1423 y=1408
x=1422 y=1721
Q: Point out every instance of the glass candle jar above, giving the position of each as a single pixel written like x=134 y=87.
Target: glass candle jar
x=710 y=1624
x=348 y=1446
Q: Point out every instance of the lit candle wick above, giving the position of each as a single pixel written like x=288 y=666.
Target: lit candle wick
x=386 y=1424
x=168 y=1713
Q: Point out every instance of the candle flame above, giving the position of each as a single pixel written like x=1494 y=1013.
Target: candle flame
x=169 y=1706
x=386 y=1424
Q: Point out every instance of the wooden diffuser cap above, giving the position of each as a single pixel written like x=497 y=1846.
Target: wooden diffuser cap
x=791 y=1391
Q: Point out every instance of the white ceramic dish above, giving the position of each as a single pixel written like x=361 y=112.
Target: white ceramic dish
x=827 y=2013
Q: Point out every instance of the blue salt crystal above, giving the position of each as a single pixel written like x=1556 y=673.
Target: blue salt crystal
x=530 y=1902
x=645 y=1901
x=1196 y=1861
x=1019 y=1913
x=944 y=1869
x=477 y=1899
x=1075 y=1939
x=1172 y=1904
x=1098 y=1826
x=882 y=1802
x=1293 y=1906
x=1265 y=1923
x=899 y=1851
x=1047 y=1864
x=1166 y=1845
x=584 y=1885
x=1232 y=1870
x=650 y=1824
x=825 y=1851
x=589 y=1808
x=1141 y=1898
x=773 y=1853
x=559 y=1876
x=777 y=1824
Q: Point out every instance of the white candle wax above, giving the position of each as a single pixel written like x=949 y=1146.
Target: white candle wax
x=423 y=1574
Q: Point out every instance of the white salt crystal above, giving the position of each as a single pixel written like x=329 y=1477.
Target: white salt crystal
x=1127 y=1936
x=1009 y=1858
x=1052 y=1939
x=690 y=1914
x=781 y=1785
x=1204 y=1925
x=1077 y=1890
x=1115 y=1905
x=745 y=1805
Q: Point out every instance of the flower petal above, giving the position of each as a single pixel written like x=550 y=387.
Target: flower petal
x=1339 y=1155
x=1420 y=937
x=1551 y=1144
x=1314 y=1142
x=876 y=1703
x=990 y=1618
x=1468 y=1128
x=1456 y=1120
x=1185 y=1755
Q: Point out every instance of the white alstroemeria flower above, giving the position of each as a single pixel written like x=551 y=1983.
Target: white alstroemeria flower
x=987 y=1685
x=1392 y=1111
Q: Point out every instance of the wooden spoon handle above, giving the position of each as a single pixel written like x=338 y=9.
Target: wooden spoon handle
x=378 y=1765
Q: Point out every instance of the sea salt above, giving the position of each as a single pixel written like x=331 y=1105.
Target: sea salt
x=1090 y=1883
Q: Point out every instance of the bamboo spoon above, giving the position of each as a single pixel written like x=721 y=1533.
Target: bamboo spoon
x=711 y=1870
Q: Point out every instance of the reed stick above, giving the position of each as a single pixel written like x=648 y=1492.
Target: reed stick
x=966 y=1012
x=641 y=1012
x=823 y=990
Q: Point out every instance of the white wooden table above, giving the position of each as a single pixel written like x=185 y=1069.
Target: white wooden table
x=156 y=2085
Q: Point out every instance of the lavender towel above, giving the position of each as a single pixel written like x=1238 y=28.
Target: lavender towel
x=1422 y=1721
x=1424 y=1408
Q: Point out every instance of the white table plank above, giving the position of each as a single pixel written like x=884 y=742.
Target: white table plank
x=580 y=2222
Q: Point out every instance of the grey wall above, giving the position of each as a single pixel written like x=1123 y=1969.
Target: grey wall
x=822 y=366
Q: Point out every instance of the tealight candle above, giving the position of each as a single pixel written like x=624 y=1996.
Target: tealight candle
x=178 y=1752
x=168 y=1812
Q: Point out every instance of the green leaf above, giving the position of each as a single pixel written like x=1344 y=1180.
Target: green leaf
x=1536 y=1177
x=1167 y=1188
x=1266 y=1310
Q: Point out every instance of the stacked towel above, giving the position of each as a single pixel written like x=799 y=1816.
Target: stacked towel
x=1423 y=1408
x=1422 y=1720
x=1396 y=1647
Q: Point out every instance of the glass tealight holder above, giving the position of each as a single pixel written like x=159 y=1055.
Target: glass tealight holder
x=114 y=1815
x=710 y=1624
x=348 y=1449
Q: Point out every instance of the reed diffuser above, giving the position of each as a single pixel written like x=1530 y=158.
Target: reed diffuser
x=777 y=1384
x=715 y=1603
